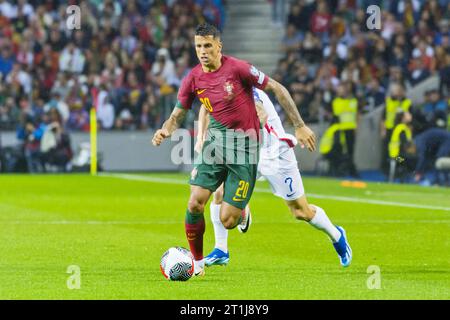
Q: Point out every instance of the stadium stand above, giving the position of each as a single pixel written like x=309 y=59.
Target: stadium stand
x=328 y=43
x=135 y=52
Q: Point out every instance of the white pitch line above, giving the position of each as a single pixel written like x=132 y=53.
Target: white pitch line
x=310 y=195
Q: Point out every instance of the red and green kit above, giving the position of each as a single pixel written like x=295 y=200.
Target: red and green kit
x=231 y=150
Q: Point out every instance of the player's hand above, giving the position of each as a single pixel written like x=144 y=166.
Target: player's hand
x=199 y=144
x=159 y=136
x=306 y=138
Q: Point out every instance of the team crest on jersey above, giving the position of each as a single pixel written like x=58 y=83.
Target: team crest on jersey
x=228 y=87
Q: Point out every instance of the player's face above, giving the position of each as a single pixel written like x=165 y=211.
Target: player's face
x=208 y=50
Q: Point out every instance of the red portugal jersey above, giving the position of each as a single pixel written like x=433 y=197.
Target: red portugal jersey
x=226 y=93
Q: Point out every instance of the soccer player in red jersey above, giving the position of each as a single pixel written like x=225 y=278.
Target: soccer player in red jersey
x=224 y=86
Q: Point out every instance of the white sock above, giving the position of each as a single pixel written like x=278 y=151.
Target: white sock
x=323 y=223
x=198 y=265
x=220 y=232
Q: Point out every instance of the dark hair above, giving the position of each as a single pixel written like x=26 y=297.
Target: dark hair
x=206 y=29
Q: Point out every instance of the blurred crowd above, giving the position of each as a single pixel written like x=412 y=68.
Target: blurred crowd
x=127 y=57
x=337 y=69
x=327 y=43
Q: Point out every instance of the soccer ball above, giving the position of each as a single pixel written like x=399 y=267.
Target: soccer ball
x=177 y=264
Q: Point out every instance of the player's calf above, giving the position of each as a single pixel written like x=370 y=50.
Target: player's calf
x=195 y=222
x=230 y=215
x=300 y=209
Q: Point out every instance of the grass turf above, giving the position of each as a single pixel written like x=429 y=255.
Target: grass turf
x=116 y=230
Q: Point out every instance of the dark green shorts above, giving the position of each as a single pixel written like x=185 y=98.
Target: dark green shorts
x=239 y=180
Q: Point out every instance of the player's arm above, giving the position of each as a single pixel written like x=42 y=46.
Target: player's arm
x=203 y=122
x=169 y=126
x=262 y=115
x=302 y=132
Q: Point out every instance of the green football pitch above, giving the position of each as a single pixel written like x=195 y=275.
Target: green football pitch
x=115 y=228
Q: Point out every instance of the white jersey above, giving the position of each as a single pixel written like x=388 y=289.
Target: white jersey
x=276 y=142
x=277 y=162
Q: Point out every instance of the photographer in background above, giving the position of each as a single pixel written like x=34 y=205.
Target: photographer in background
x=30 y=132
x=55 y=145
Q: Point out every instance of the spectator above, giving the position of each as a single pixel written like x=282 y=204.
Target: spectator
x=299 y=16
x=59 y=104
x=55 y=145
x=6 y=60
x=9 y=113
x=321 y=21
x=71 y=59
x=425 y=53
x=435 y=110
x=163 y=70
x=418 y=71
x=105 y=110
x=7 y=9
x=292 y=40
x=30 y=132
x=431 y=144
x=374 y=95
x=19 y=79
x=124 y=115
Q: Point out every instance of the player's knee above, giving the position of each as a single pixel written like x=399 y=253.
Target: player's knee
x=195 y=206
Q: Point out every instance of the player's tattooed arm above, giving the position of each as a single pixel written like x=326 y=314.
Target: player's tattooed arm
x=286 y=101
x=203 y=122
x=169 y=126
x=303 y=133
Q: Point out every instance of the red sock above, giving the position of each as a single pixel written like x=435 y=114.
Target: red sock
x=195 y=228
x=241 y=218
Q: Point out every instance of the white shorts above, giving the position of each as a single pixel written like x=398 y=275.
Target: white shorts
x=283 y=176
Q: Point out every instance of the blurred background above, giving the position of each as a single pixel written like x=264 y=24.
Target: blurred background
x=377 y=98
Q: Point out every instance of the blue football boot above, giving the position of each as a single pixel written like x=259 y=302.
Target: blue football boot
x=343 y=249
x=217 y=257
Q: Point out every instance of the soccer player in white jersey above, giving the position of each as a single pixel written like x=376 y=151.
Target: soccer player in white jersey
x=278 y=164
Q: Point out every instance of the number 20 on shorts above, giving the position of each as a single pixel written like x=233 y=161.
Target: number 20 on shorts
x=207 y=104
x=241 y=191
